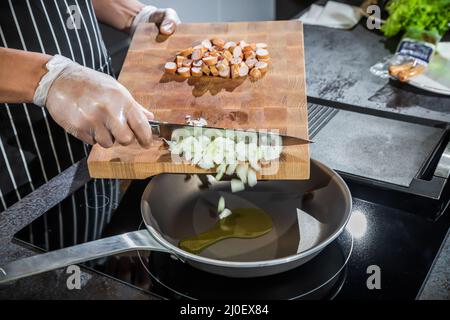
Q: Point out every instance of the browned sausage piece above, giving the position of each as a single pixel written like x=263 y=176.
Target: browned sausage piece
x=218 y=42
x=179 y=61
x=262 y=66
x=262 y=54
x=184 y=72
x=255 y=73
x=214 y=71
x=185 y=52
x=210 y=61
x=243 y=69
x=196 y=72
x=187 y=63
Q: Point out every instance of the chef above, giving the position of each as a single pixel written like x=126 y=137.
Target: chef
x=57 y=92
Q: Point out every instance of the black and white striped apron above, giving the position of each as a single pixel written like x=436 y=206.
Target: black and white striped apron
x=33 y=148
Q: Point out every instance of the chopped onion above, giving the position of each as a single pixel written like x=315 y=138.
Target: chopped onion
x=180 y=133
x=187 y=147
x=241 y=172
x=206 y=164
x=218 y=157
x=231 y=168
x=221 y=205
x=198 y=152
x=251 y=178
x=212 y=133
x=174 y=148
x=220 y=171
x=225 y=213
x=252 y=152
x=255 y=165
x=211 y=179
x=210 y=149
x=204 y=141
x=270 y=152
x=241 y=151
x=237 y=185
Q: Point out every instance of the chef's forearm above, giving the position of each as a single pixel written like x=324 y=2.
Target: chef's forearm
x=20 y=73
x=118 y=14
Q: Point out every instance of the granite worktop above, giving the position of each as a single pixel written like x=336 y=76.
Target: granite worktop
x=337 y=74
x=337 y=71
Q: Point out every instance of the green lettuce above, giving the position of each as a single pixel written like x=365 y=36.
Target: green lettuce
x=428 y=15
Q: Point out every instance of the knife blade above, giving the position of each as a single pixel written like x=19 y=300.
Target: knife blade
x=165 y=130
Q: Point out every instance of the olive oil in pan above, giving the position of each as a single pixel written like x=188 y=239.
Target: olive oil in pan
x=242 y=223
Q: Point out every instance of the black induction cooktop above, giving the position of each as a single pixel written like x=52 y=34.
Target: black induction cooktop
x=398 y=245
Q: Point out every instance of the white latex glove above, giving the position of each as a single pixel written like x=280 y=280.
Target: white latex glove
x=166 y=19
x=91 y=105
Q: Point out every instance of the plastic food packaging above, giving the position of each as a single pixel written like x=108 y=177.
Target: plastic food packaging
x=411 y=58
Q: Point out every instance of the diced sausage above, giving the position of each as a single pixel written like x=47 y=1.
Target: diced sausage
x=186 y=63
x=224 y=71
x=251 y=62
x=197 y=54
x=179 y=61
x=185 y=52
x=197 y=63
x=237 y=52
x=210 y=61
x=262 y=54
x=196 y=72
x=243 y=69
x=261 y=66
x=227 y=54
x=230 y=45
x=205 y=69
x=261 y=45
x=214 y=71
x=184 y=72
x=234 y=71
x=207 y=43
x=235 y=60
x=255 y=73
x=218 y=42
x=170 y=67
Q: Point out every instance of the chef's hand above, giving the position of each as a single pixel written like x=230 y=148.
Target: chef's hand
x=166 y=19
x=92 y=106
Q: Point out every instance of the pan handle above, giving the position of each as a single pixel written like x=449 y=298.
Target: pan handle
x=137 y=240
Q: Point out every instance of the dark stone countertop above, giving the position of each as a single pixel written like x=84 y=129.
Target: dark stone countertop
x=337 y=70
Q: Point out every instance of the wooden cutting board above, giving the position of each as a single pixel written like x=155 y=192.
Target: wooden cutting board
x=277 y=101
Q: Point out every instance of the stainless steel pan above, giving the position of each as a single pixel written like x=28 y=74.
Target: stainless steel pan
x=307 y=215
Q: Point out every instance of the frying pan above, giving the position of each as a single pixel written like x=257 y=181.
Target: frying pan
x=307 y=215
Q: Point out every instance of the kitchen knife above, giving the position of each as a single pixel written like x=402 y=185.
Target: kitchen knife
x=165 y=130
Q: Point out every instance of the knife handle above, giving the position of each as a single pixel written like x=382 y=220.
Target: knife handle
x=155 y=127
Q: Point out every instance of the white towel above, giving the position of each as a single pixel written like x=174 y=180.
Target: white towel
x=333 y=15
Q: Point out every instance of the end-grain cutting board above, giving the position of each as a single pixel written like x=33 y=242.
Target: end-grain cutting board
x=277 y=101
